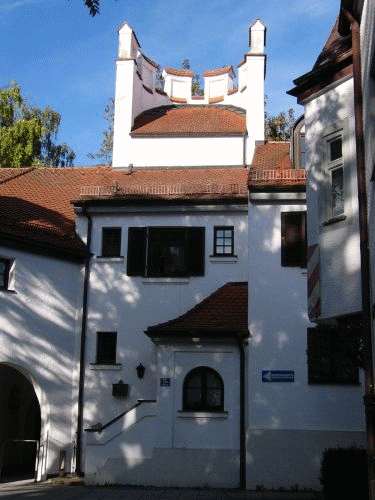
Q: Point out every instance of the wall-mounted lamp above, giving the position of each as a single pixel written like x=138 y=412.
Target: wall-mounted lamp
x=140 y=370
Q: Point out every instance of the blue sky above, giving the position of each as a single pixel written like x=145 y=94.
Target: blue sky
x=65 y=59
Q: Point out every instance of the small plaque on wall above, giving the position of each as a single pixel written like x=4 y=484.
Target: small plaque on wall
x=120 y=390
x=165 y=382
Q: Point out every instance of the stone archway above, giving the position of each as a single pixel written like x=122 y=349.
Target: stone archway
x=20 y=419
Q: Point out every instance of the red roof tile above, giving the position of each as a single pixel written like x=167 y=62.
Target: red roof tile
x=226 y=310
x=190 y=120
x=179 y=72
x=219 y=71
x=272 y=167
x=36 y=203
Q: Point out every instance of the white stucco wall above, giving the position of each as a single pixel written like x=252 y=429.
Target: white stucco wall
x=129 y=305
x=291 y=421
x=40 y=337
x=330 y=111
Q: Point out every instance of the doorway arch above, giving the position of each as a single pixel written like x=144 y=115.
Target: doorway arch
x=20 y=415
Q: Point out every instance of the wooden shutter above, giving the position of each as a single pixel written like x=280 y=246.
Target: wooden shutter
x=137 y=241
x=293 y=239
x=195 y=251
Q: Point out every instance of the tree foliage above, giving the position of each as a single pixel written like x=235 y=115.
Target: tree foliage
x=279 y=128
x=196 y=81
x=93 y=6
x=27 y=133
x=105 y=153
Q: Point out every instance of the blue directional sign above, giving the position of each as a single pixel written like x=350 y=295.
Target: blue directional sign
x=277 y=375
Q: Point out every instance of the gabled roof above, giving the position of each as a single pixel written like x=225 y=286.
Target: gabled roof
x=190 y=120
x=332 y=64
x=223 y=313
x=272 y=168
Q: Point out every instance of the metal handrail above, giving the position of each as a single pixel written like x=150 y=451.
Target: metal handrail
x=100 y=427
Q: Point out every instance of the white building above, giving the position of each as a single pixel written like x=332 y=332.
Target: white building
x=187 y=301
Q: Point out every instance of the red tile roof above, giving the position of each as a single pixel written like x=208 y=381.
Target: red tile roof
x=36 y=203
x=190 y=120
x=272 y=168
x=179 y=72
x=224 y=311
x=219 y=71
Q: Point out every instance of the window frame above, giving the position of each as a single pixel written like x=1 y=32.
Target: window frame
x=111 y=244
x=289 y=257
x=216 y=245
x=101 y=356
x=143 y=243
x=335 y=165
x=203 y=405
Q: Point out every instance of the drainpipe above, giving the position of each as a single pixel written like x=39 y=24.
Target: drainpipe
x=242 y=484
x=81 y=382
x=369 y=398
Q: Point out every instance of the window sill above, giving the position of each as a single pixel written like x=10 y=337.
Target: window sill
x=208 y=415
x=7 y=290
x=94 y=366
x=334 y=220
x=225 y=259
x=166 y=281
x=109 y=259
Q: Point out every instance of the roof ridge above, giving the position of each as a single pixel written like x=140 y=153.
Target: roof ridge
x=25 y=170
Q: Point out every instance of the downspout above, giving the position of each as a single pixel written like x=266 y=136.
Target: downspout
x=242 y=484
x=86 y=282
x=369 y=398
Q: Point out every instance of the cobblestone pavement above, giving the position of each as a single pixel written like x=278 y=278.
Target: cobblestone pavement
x=75 y=490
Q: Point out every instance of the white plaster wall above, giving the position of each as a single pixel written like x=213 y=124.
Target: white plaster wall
x=338 y=242
x=129 y=305
x=40 y=336
x=292 y=421
x=184 y=151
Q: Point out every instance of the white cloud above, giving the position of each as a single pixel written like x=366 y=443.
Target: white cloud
x=15 y=4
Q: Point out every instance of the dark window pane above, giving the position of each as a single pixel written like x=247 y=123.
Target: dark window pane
x=335 y=149
x=293 y=239
x=203 y=390
x=111 y=242
x=4 y=273
x=106 y=348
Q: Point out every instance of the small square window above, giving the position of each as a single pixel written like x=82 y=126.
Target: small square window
x=111 y=242
x=5 y=269
x=223 y=241
x=106 y=348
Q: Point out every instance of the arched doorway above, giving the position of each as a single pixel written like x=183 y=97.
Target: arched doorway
x=20 y=425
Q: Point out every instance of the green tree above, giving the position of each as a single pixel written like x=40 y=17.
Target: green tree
x=106 y=149
x=196 y=81
x=27 y=133
x=279 y=128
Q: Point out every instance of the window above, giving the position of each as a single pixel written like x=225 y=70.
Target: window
x=166 y=252
x=5 y=271
x=111 y=242
x=333 y=356
x=336 y=177
x=223 y=240
x=203 y=390
x=293 y=239
x=106 y=348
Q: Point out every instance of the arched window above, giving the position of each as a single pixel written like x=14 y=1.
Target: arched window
x=203 y=390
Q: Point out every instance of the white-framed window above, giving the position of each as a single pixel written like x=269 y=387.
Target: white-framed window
x=336 y=176
x=223 y=241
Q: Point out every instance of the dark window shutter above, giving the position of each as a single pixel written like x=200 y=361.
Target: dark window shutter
x=332 y=356
x=293 y=239
x=195 y=251
x=137 y=238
